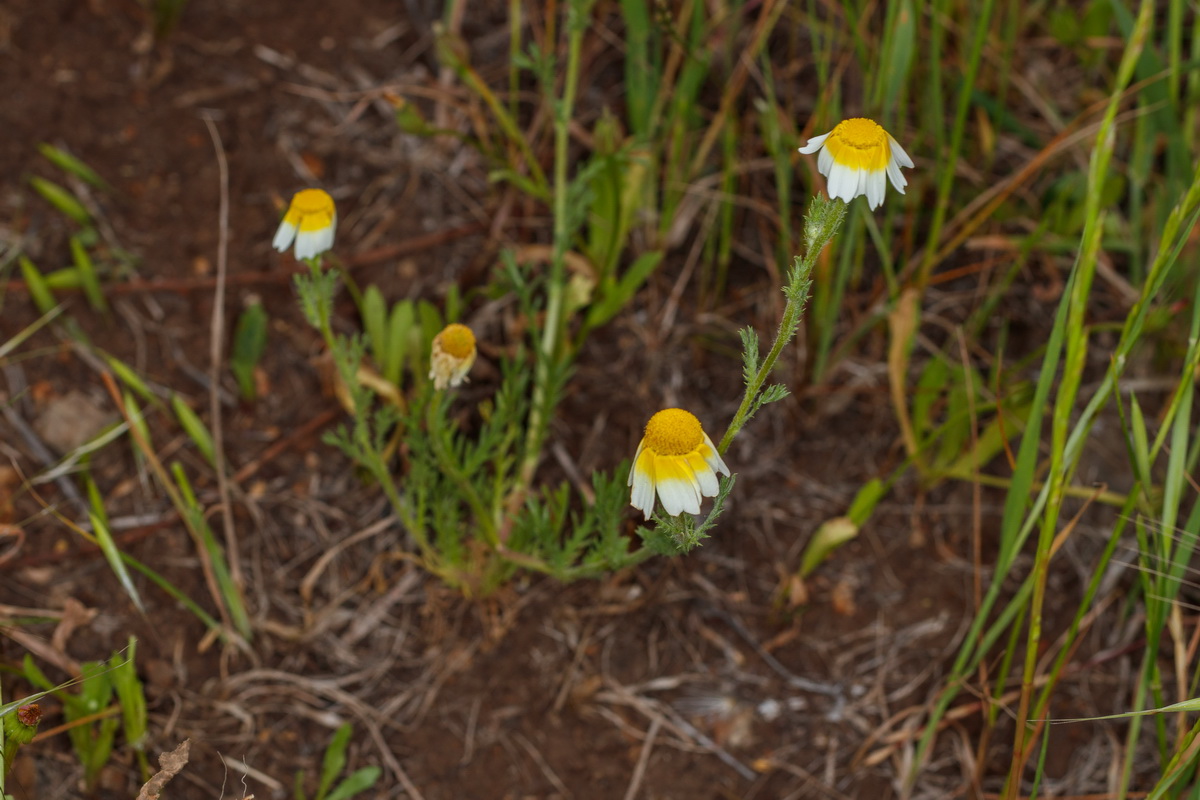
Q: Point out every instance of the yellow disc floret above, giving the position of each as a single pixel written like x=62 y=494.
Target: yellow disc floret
x=311 y=210
x=859 y=144
x=673 y=432
x=457 y=340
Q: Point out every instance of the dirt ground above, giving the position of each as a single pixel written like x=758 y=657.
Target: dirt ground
x=680 y=679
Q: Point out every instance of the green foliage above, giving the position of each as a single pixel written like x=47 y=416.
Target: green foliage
x=195 y=428
x=132 y=697
x=230 y=594
x=39 y=289
x=72 y=165
x=249 y=344
x=359 y=781
x=92 y=719
x=62 y=200
x=167 y=14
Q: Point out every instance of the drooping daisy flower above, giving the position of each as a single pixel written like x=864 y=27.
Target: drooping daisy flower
x=452 y=355
x=855 y=157
x=311 y=219
x=677 y=460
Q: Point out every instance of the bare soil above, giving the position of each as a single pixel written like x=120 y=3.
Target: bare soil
x=685 y=678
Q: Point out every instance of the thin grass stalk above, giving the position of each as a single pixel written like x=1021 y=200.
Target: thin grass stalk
x=949 y=159
x=177 y=501
x=514 y=57
x=767 y=17
x=1098 y=573
x=211 y=623
x=1017 y=524
x=3 y=754
x=1059 y=471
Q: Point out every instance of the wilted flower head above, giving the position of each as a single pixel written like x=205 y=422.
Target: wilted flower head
x=855 y=157
x=677 y=460
x=20 y=727
x=452 y=355
x=311 y=219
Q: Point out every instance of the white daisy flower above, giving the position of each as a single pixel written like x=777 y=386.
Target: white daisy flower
x=676 y=460
x=310 y=220
x=855 y=156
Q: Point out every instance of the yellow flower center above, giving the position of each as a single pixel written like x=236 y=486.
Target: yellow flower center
x=457 y=340
x=673 y=432
x=312 y=201
x=862 y=134
x=859 y=144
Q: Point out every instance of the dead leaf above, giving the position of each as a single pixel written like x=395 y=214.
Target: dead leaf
x=71 y=420
x=171 y=763
x=842 y=599
x=75 y=615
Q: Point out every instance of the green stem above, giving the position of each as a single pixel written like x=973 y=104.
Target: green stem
x=552 y=333
x=824 y=220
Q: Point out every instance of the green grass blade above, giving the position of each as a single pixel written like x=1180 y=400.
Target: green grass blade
x=39 y=290
x=87 y=275
x=61 y=199
x=196 y=430
x=72 y=165
x=113 y=556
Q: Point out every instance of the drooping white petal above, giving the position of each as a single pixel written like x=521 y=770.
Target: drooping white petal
x=824 y=162
x=679 y=495
x=898 y=153
x=642 y=496
x=308 y=244
x=814 y=143
x=636 y=456
x=842 y=182
x=708 y=482
x=714 y=458
x=284 y=236
x=876 y=188
x=896 y=176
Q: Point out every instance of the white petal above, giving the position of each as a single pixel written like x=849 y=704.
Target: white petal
x=306 y=246
x=899 y=154
x=633 y=467
x=843 y=182
x=708 y=482
x=876 y=188
x=814 y=143
x=896 y=176
x=714 y=458
x=642 y=497
x=284 y=236
x=678 y=496
x=824 y=163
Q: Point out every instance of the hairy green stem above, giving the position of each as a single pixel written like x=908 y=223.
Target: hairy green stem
x=824 y=220
x=554 y=324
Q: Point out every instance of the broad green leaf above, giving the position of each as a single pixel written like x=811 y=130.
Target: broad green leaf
x=249 y=344
x=359 y=781
x=335 y=758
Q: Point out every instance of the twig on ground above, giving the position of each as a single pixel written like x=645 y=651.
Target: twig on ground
x=216 y=344
x=542 y=764
x=639 y=770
